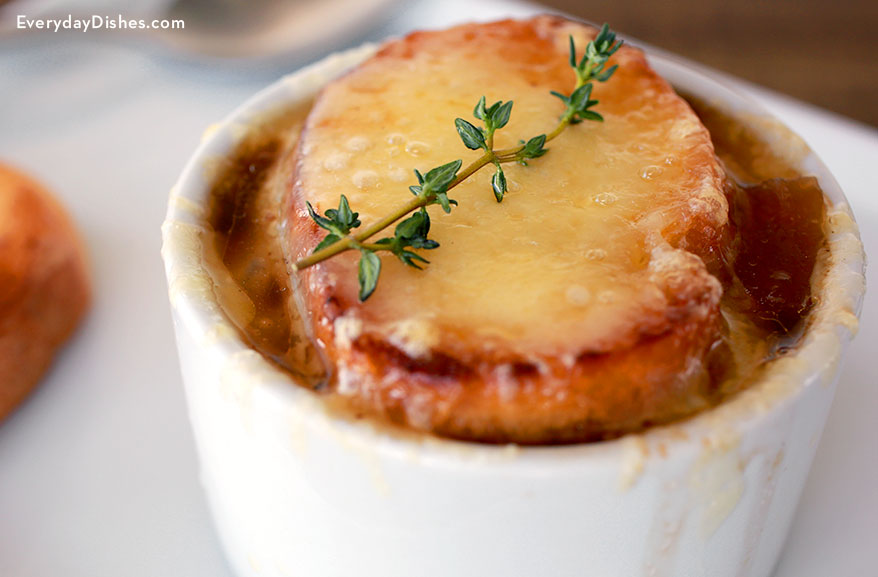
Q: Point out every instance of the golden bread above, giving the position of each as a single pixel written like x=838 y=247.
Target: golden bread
x=44 y=286
x=584 y=306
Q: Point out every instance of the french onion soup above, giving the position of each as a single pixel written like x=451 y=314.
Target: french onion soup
x=638 y=270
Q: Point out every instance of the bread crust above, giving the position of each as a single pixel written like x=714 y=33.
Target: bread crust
x=44 y=285
x=654 y=369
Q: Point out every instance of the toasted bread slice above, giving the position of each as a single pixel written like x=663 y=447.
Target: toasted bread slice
x=44 y=288
x=579 y=308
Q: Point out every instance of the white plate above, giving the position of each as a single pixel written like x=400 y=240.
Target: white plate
x=98 y=476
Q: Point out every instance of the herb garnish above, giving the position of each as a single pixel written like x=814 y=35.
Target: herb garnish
x=432 y=188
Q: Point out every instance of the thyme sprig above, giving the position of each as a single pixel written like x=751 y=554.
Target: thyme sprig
x=411 y=233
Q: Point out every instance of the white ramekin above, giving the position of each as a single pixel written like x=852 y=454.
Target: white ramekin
x=296 y=490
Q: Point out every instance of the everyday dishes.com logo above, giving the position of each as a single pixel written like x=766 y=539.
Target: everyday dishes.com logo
x=96 y=22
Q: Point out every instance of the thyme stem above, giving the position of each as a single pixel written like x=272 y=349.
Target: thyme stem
x=352 y=241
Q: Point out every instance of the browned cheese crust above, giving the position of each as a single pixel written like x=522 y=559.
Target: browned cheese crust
x=632 y=345
x=44 y=288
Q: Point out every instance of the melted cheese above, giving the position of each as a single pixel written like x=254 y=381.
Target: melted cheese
x=580 y=256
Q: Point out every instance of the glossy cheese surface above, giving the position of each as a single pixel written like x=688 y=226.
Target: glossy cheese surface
x=599 y=253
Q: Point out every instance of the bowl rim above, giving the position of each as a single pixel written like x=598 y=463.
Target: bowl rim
x=200 y=316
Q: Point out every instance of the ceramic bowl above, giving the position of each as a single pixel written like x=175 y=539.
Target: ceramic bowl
x=298 y=490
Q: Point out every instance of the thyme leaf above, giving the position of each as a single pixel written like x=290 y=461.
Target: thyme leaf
x=367 y=273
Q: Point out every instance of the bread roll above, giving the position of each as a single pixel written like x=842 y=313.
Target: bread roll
x=44 y=285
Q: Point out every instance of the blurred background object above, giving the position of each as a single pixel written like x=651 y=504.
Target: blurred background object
x=263 y=28
x=218 y=32
x=825 y=53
